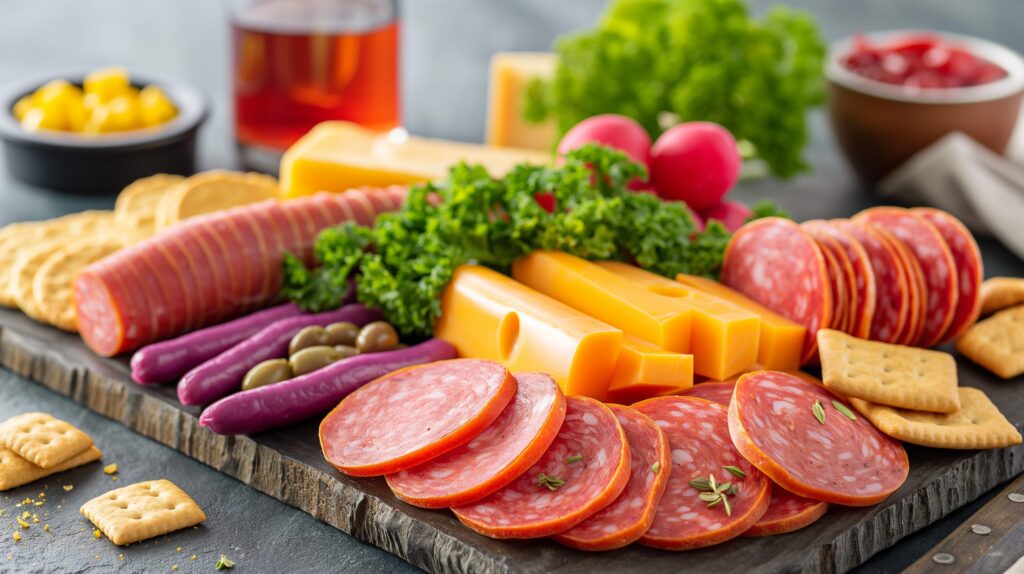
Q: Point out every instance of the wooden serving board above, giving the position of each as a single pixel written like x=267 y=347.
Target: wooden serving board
x=287 y=464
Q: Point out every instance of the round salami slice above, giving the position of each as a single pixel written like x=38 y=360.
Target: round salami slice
x=716 y=392
x=787 y=512
x=698 y=434
x=512 y=444
x=837 y=283
x=629 y=517
x=774 y=262
x=969 y=268
x=860 y=275
x=585 y=469
x=937 y=264
x=413 y=415
x=773 y=423
x=889 y=277
x=916 y=287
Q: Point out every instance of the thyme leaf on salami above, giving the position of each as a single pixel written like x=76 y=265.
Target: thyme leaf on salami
x=700 y=484
x=819 y=412
x=843 y=410
x=656 y=467
x=713 y=493
x=573 y=458
x=736 y=471
x=551 y=482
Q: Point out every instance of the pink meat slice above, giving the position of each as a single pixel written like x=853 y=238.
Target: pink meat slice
x=720 y=393
x=892 y=298
x=969 y=268
x=787 y=512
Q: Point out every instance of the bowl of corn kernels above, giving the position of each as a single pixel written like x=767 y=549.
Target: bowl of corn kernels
x=96 y=132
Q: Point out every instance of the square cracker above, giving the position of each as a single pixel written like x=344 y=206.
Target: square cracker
x=43 y=440
x=893 y=375
x=16 y=471
x=997 y=343
x=143 y=510
x=998 y=293
x=978 y=423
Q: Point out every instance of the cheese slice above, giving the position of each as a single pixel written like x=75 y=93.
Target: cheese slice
x=645 y=370
x=600 y=293
x=511 y=74
x=781 y=340
x=336 y=156
x=487 y=315
x=724 y=337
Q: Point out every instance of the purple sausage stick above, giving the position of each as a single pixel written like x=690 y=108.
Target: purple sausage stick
x=168 y=360
x=297 y=399
x=223 y=374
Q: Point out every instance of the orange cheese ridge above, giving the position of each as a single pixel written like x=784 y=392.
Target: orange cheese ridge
x=645 y=370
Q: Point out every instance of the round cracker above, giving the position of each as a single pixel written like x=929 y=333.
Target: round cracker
x=14 y=239
x=53 y=283
x=213 y=191
x=142 y=195
x=23 y=271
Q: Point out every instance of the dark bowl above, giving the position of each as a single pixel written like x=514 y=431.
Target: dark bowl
x=879 y=126
x=104 y=163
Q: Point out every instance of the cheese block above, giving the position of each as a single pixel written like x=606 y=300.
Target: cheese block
x=511 y=73
x=723 y=337
x=600 y=293
x=337 y=156
x=781 y=340
x=645 y=370
x=487 y=315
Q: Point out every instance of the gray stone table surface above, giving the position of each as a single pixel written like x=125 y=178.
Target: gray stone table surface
x=445 y=48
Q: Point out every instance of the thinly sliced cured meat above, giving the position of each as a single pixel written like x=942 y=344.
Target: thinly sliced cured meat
x=586 y=467
x=774 y=262
x=937 y=264
x=716 y=392
x=891 y=290
x=918 y=288
x=414 y=415
x=698 y=434
x=969 y=268
x=860 y=276
x=787 y=512
x=845 y=461
x=628 y=518
x=837 y=282
x=506 y=449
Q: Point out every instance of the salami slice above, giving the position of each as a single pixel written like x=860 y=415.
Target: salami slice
x=969 y=268
x=846 y=461
x=891 y=290
x=698 y=435
x=837 y=283
x=716 y=392
x=787 y=512
x=937 y=264
x=629 y=517
x=413 y=415
x=860 y=275
x=511 y=445
x=917 y=288
x=777 y=264
x=584 y=470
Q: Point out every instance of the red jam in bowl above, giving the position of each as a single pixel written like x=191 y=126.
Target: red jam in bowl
x=920 y=62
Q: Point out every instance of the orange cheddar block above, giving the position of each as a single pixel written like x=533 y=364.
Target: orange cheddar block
x=781 y=340
x=511 y=75
x=604 y=295
x=723 y=337
x=645 y=370
x=487 y=315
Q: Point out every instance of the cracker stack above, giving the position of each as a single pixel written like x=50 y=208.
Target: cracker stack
x=912 y=394
x=997 y=343
x=36 y=445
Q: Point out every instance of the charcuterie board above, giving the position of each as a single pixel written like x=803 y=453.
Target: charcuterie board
x=287 y=464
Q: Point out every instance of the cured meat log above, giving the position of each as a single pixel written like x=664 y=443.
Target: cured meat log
x=209 y=268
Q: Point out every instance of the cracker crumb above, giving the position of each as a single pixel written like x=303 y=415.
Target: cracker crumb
x=17 y=536
x=22 y=523
x=113 y=478
x=46 y=528
x=97 y=533
x=178 y=549
x=174 y=567
x=35 y=518
x=69 y=487
x=120 y=557
x=38 y=503
x=193 y=557
x=110 y=468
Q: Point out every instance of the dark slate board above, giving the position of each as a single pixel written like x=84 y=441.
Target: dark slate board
x=287 y=465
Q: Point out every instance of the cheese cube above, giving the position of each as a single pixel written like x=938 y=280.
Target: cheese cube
x=511 y=73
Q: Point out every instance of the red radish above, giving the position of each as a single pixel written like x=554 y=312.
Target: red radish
x=612 y=130
x=732 y=214
x=696 y=162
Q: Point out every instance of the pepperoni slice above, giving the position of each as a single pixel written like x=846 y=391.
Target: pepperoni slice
x=772 y=423
x=891 y=292
x=413 y=415
x=860 y=275
x=511 y=445
x=716 y=392
x=628 y=518
x=584 y=470
x=937 y=265
x=798 y=289
x=837 y=283
x=698 y=434
x=787 y=512
x=969 y=268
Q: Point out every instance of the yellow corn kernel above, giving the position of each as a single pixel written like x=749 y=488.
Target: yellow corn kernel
x=155 y=107
x=107 y=83
x=40 y=118
x=22 y=106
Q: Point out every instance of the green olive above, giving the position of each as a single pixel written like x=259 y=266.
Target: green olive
x=343 y=333
x=376 y=337
x=308 y=337
x=346 y=351
x=267 y=373
x=312 y=358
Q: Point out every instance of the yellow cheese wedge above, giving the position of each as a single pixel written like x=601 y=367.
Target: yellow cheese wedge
x=600 y=293
x=645 y=370
x=487 y=315
x=511 y=73
x=336 y=156
x=781 y=339
x=723 y=338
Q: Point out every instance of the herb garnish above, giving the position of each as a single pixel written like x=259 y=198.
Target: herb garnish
x=224 y=563
x=713 y=493
x=573 y=458
x=655 y=467
x=819 y=412
x=844 y=410
x=735 y=470
x=551 y=482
